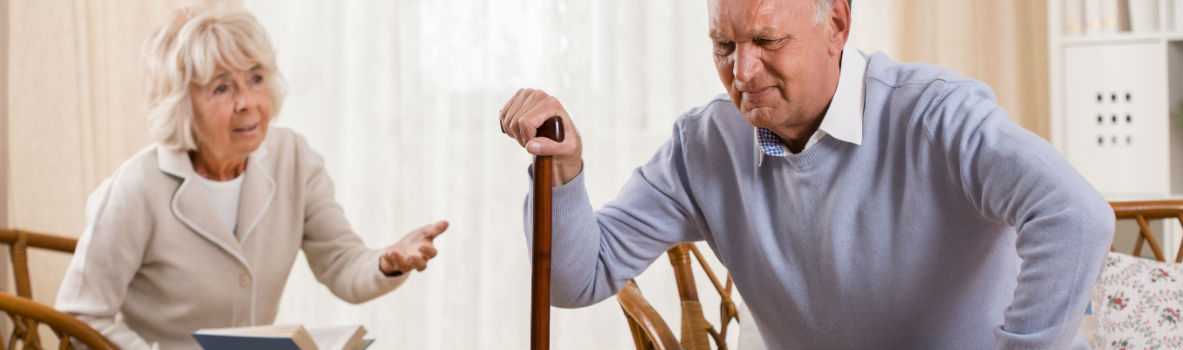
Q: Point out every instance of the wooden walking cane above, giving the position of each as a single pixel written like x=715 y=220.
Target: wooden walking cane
x=540 y=282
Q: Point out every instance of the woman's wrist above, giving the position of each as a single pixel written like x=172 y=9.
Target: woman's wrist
x=388 y=271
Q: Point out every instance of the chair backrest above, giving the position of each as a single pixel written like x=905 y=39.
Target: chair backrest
x=1143 y=212
x=27 y=314
x=651 y=332
x=19 y=243
x=67 y=328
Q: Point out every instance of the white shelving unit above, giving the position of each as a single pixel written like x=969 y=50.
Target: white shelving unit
x=1115 y=98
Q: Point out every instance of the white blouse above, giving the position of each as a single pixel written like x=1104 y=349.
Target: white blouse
x=223 y=199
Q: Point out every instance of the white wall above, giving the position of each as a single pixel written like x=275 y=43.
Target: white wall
x=4 y=256
x=4 y=148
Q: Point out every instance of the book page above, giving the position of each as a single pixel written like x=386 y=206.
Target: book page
x=276 y=331
x=338 y=338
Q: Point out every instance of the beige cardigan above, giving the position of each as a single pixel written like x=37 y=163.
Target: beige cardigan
x=155 y=254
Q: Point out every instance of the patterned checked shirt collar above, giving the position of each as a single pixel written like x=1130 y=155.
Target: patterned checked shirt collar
x=844 y=118
x=771 y=144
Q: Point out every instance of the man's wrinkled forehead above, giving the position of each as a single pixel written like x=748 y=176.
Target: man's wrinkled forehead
x=732 y=15
x=739 y=8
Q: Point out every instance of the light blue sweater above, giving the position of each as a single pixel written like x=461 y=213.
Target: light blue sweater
x=950 y=227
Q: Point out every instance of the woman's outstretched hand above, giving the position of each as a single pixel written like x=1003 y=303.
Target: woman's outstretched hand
x=413 y=251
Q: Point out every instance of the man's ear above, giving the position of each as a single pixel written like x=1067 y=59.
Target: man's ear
x=839 y=24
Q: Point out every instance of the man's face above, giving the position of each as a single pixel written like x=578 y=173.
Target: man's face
x=778 y=63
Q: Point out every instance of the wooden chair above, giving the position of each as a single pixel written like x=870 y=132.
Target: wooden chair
x=26 y=314
x=1143 y=212
x=649 y=330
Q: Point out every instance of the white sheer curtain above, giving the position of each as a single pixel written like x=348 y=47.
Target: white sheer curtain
x=401 y=97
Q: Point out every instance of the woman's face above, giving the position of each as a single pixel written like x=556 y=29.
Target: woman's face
x=231 y=113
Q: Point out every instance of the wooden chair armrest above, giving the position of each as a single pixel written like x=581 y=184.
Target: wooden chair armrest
x=67 y=327
x=649 y=330
x=39 y=240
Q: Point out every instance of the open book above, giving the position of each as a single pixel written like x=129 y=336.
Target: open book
x=284 y=337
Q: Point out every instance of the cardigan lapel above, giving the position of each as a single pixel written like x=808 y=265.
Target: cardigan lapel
x=191 y=202
x=258 y=190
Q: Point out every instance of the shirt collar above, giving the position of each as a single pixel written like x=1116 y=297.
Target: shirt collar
x=843 y=119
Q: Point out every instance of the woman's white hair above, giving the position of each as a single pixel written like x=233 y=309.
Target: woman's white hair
x=186 y=52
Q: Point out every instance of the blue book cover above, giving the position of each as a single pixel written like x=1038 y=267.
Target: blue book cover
x=284 y=337
x=230 y=342
x=224 y=342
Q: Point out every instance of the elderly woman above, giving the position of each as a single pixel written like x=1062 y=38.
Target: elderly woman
x=201 y=229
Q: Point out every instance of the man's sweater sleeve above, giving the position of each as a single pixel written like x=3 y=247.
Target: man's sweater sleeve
x=594 y=253
x=1011 y=175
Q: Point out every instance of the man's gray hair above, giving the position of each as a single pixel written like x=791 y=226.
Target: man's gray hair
x=824 y=7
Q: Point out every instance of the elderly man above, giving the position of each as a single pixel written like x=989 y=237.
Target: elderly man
x=860 y=203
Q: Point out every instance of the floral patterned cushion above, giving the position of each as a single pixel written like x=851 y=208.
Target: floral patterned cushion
x=1136 y=304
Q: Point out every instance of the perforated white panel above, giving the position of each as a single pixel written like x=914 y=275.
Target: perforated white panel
x=1116 y=116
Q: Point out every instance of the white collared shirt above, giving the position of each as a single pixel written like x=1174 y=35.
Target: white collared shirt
x=844 y=117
